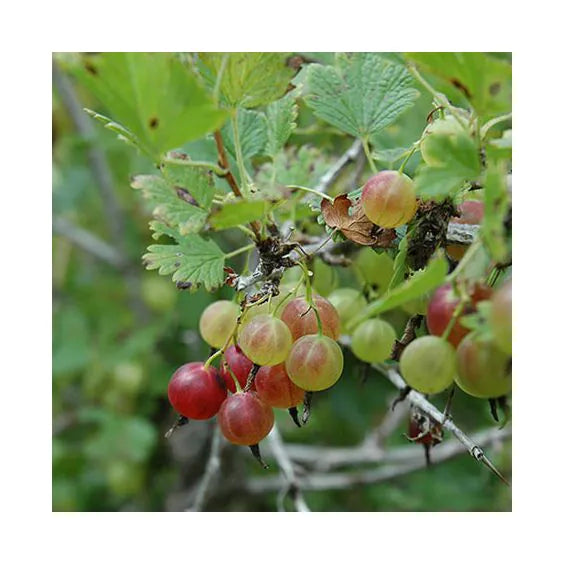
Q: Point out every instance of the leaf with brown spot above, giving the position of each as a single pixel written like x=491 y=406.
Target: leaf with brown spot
x=351 y=221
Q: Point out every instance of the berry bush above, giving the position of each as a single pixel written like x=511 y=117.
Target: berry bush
x=330 y=239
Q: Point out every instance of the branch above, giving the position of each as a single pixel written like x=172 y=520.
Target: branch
x=332 y=174
x=424 y=405
x=88 y=242
x=212 y=468
x=461 y=234
x=415 y=461
x=224 y=164
x=291 y=481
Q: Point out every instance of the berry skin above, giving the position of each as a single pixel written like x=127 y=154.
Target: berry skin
x=301 y=319
x=428 y=364
x=501 y=317
x=218 y=322
x=441 y=308
x=275 y=388
x=388 y=199
x=265 y=340
x=244 y=419
x=471 y=213
x=315 y=362
x=483 y=370
x=372 y=340
x=196 y=392
x=240 y=366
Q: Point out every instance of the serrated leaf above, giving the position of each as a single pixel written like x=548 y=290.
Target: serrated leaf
x=170 y=207
x=152 y=95
x=252 y=133
x=122 y=132
x=483 y=80
x=361 y=95
x=198 y=182
x=281 y=121
x=159 y=228
x=237 y=213
x=420 y=283
x=250 y=79
x=196 y=261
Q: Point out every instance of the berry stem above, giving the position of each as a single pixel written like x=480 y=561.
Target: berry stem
x=368 y=155
x=311 y=191
x=239 y=251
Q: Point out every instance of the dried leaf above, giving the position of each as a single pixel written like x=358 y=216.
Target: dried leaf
x=351 y=221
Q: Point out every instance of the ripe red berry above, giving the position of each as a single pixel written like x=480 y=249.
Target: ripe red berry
x=196 y=392
x=244 y=419
x=276 y=389
x=301 y=319
x=239 y=364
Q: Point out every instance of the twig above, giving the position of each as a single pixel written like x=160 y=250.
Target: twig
x=224 y=164
x=88 y=242
x=422 y=403
x=291 y=486
x=212 y=468
x=332 y=174
x=413 y=323
x=411 y=460
x=461 y=234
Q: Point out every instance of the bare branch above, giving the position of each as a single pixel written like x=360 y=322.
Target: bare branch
x=412 y=459
x=87 y=242
x=291 y=486
x=461 y=234
x=212 y=468
x=332 y=174
x=427 y=407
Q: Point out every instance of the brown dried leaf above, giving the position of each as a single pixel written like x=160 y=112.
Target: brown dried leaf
x=355 y=225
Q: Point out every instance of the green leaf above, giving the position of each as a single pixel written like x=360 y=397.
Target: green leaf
x=281 y=121
x=195 y=261
x=237 y=213
x=361 y=95
x=199 y=182
x=420 y=283
x=252 y=133
x=461 y=163
x=481 y=79
x=496 y=205
x=170 y=207
x=390 y=156
x=400 y=264
x=153 y=96
x=250 y=79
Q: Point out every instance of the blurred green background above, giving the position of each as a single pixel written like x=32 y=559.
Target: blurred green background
x=119 y=333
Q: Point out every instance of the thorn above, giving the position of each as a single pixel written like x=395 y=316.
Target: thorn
x=493 y=409
x=293 y=411
x=402 y=395
x=479 y=455
x=178 y=423
x=307 y=407
x=427 y=454
x=251 y=377
x=506 y=410
x=256 y=453
x=446 y=412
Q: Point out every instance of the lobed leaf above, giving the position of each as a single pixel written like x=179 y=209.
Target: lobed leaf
x=195 y=261
x=153 y=95
x=483 y=80
x=252 y=133
x=250 y=79
x=280 y=122
x=361 y=95
x=171 y=205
